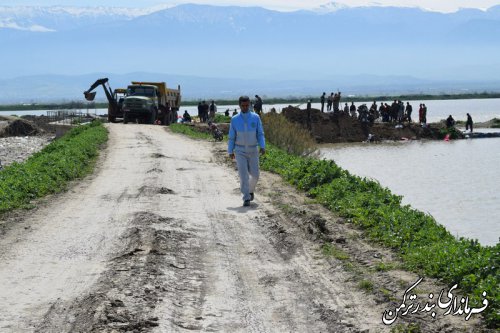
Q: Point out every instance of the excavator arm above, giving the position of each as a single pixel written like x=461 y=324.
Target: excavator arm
x=113 y=108
x=89 y=96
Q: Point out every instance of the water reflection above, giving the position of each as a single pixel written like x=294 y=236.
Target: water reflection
x=456 y=182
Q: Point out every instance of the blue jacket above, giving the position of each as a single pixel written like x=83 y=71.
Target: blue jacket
x=245 y=133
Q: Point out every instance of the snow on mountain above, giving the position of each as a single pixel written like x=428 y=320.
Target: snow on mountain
x=58 y=18
x=37 y=11
x=229 y=41
x=8 y=24
x=331 y=7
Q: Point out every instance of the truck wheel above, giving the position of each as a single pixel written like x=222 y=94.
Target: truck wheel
x=153 y=117
x=111 y=115
x=166 y=119
x=125 y=119
x=162 y=115
x=171 y=117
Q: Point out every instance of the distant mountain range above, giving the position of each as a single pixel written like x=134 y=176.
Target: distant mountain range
x=49 y=51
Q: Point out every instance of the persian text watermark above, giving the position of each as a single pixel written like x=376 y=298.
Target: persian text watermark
x=449 y=303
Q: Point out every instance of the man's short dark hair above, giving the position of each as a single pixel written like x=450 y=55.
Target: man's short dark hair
x=243 y=99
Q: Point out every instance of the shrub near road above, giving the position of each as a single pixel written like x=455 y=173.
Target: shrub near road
x=49 y=170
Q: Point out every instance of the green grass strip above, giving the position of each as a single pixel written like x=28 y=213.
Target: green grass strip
x=49 y=171
x=189 y=131
x=424 y=245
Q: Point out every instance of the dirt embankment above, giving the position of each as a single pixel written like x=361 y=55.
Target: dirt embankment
x=337 y=127
x=157 y=240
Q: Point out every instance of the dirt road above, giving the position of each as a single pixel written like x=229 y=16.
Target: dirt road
x=156 y=240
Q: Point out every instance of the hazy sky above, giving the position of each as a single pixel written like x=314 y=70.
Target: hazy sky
x=441 y=5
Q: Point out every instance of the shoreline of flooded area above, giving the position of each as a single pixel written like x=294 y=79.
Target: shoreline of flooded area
x=452 y=181
x=481 y=109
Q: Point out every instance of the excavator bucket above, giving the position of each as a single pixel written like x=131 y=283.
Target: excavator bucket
x=89 y=96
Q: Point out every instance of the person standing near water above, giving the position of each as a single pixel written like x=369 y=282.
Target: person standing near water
x=424 y=115
x=469 y=123
x=409 y=109
x=246 y=135
x=258 y=105
x=322 y=99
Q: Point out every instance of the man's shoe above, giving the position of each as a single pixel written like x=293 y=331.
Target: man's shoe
x=246 y=203
x=251 y=196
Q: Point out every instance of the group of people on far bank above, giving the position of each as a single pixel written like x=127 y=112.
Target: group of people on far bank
x=332 y=102
x=397 y=112
x=207 y=112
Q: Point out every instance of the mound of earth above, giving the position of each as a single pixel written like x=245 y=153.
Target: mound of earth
x=19 y=127
x=493 y=123
x=7 y=118
x=338 y=127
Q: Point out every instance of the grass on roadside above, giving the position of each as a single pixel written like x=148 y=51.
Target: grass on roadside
x=384 y=267
x=189 y=130
x=49 y=170
x=331 y=251
x=406 y=328
x=366 y=285
x=220 y=118
x=288 y=136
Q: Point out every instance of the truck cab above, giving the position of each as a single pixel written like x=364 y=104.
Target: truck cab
x=162 y=102
x=141 y=103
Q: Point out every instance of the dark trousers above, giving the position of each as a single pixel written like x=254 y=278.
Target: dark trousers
x=467 y=125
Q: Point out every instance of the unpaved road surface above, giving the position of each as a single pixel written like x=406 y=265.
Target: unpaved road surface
x=156 y=240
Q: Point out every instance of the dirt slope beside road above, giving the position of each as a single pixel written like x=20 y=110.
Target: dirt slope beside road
x=156 y=240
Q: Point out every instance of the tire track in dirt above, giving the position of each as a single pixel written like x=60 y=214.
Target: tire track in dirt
x=134 y=283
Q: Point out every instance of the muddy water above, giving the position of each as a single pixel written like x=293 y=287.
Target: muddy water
x=456 y=182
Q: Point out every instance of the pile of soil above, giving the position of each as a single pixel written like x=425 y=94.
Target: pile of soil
x=20 y=127
x=492 y=123
x=338 y=127
x=42 y=122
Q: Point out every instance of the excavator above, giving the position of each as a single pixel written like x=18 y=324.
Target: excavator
x=115 y=98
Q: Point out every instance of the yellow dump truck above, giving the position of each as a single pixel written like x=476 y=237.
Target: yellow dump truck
x=151 y=102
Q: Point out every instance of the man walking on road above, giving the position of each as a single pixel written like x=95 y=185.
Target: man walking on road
x=245 y=134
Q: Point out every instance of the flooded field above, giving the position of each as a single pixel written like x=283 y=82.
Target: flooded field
x=456 y=181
